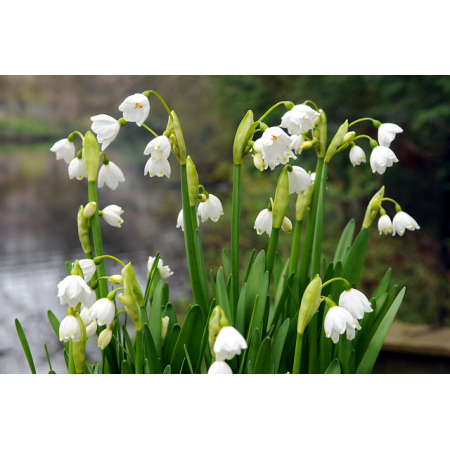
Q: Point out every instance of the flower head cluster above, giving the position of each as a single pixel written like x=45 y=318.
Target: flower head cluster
x=275 y=147
x=158 y=163
x=402 y=222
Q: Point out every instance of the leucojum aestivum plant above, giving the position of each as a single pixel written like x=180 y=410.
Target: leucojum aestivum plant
x=317 y=321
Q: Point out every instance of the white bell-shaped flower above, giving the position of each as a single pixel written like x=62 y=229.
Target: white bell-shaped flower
x=402 y=222
x=180 y=220
x=355 y=302
x=135 y=108
x=263 y=223
x=385 y=224
x=299 y=119
x=64 y=149
x=157 y=166
x=77 y=168
x=73 y=290
x=69 y=328
x=275 y=147
x=296 y=143
x=111 y=175
x=103 y=311
x=220 y=368
x=106 y=128
x=112 y=215
x=286 y=226
x=337 y=321
x=211 y=208
x=88 y=267
x=164 y=271
x=387 y=133
x=104 y=338
x=229 y=343
x=85 y=316
x=89 y=299
x=158 y=147
x=380 y=158
x=299 y=180
x=357 y=155
x=91 y=329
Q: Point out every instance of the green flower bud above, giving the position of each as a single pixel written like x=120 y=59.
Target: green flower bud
x=132 y=309
x=192 y=179
x=89 y=209
x=91 y=155
x=116 y=279
x=84 y=230
x=180 y=145
x=310 y=303
x=281 y=201
x=303 y=202
x=132 y=288
x=349 y=136
x=286 y=226
x=337 y=140
x=306 y=145
x=164 y=326
x=216 y=323
x=243 y=134
x=104 y=338
x=79 y=348
x=373 y=208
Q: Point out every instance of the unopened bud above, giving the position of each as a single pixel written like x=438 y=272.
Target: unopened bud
x=349 y=136
x=373 y=208
x=164 y=326
x=303 y=202
x=286 y=226
x=91 y=155
x=116 y=279
x=243 y=134
x=90 y=209
x=306 y=145
x=259 y=162
x=317 y=120
x=217 y=321
x=104 y=338
x=84 y=231
x=132 y=309
x=192 y=179
x=131 y=285
x=336 y=142
x=310 y=303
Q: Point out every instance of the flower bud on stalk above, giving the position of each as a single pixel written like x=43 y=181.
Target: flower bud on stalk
x=281 y=199
x=84 y=231
x=337 y=140
x=131 y=285
x=164 y=326
x=348 y=137
x=243 y=134
x=116 y=279
x=310 y=303
x=79 y=348
x=180 y=146
x=104 y=338
x=91 y=155
x=89 y=209
x=373 y=208
x=216 y=323
x=192 y=178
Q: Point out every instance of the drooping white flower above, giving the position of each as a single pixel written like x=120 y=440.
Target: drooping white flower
x=90 y=324
x=337 y=321
x=275 y=147
x=385 y=224
x=357 y=155
x=88 y=267
x=111 y=175
x=64 y=149
x=380 y=158
x=210 y=209
x=355 y=302
x=180 y=220
x=158 y=147
x=73 y=290
x=135 y=108
x=106 y=128
x=157 y=166
x=299 y=180
x=164 y=271
x=69 y=328
x=387 y=133
x=103 y=311
x=296 y=143
x=90 y=299
x=299 y=119
x=402 y=222
x=263 y=223
x=104 y=338
x=229 y=342
x=220 y=368
x=112 y=215
x=77 y=168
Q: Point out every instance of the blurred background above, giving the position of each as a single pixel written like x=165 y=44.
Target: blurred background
x=39 y=203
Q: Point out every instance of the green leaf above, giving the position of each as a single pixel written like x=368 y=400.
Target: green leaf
x=213 y=285
x=146 y=367
x=173 y=340
x=287 y=290
x=382 y=287
x=325 y=344
x=150 y=352
x=165 y=297
x=278 y=344
x=68 y=266
x=128 y=344
x=260 y=306
x=249 y=266
x=240 y=313
x=264 y=359
x=222 y=297
x=26 y=347
x=191 y=336
x=154 y=322
x=334 y=368
x=226 y=264
x=253 y=348
x=201 y=267
x=150 y=277
x=48 y=357
x=345 y=241
x=253 y=285
x=167 y=371
x=169 y=311
x=205 y=339
x=126 y=368
x=66 y=358
x=371 y=354
x=188 y=360
x=351 y=362
x=352 y=268
x=54 y=322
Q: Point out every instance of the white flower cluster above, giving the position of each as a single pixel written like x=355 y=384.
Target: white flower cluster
x=402 y=222
x=164 y=271
x=211 y=208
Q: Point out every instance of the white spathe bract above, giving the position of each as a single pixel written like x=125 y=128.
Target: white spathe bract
x=299 y=119
x=337 y=321
x=387 y=133
x=355 y=302
x=164 y=271
x=385 y=224
x=380 y=158
x=299 y=180
x=275 y=147
x=77 y=168
x=73 y=290
x=220 y=368
x=211 y=208
x=103 y=311
x=88 y=267
x=111 y=175
x=229 y=343
x=64 y=149
x=263 y=223
x=357 y=155
x=112 y=215
x=180 y=220
x=157 y=166
x=158 y=147
x=104 y=338
x=106 y=128
x=135 y=108
x=69 y=328
x=402 y=222
x=296 y=143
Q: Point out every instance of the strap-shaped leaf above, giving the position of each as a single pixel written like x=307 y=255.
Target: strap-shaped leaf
x=334 y=368
x=54 y=322
x=167 y=371
x=279 y=308
x=352 y=268
x=205 y=340
x=278 y=344
x=25 y=346
x=249 y=266
x=126 y=368
x=201 y=268
x=128 y=344
x=151 y=275
x=384 y=283
x=264 y=358
x=240 y=313
x=259 y=306
x=345 y=241
x=222 y=296
x=150 y=352
x=154 y=322
x=173 y=340
x=253 y=349
x=253 y=286
x=226 y=264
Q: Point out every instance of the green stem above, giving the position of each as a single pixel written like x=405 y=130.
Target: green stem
x=270 y=110
x=149 y=129
x=193 y=219
x=295 y=249
x=312 y=103
x=72 y=369
x=272 y=249
x=335 y=279
x=139 y=369
x=298 y=354
x=160 y=99
x=114 y=258
x=361 y=120
x=97 y=237
x=235 y=214
x=397 y=206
